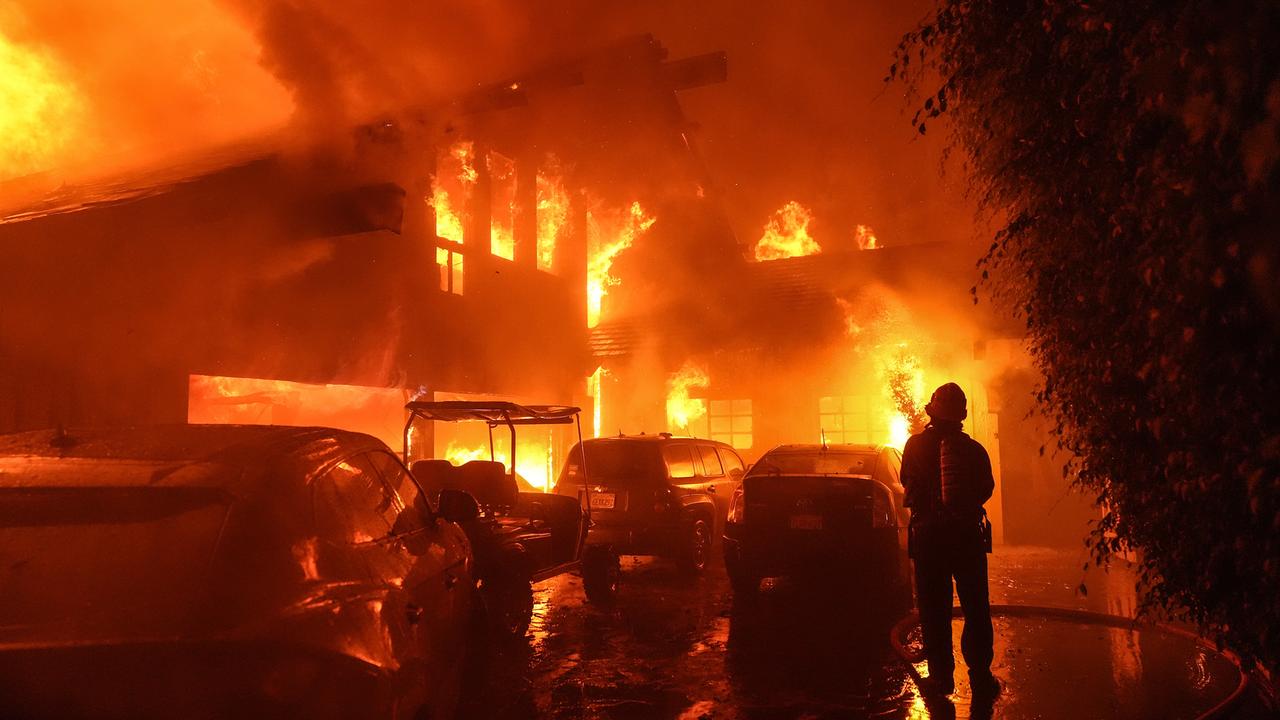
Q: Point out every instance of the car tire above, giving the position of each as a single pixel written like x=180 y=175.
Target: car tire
x=508 y=596
x=601 y=574
x=696 y=551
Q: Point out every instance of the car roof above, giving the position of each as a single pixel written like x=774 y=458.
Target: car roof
x=810 y=448
x=659 y=438
x=231 y=455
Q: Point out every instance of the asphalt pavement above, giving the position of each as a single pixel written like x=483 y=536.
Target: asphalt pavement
x=674 y=646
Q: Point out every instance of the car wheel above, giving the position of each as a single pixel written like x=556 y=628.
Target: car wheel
x=601 y=574
x=697 y=548
x=508 y=596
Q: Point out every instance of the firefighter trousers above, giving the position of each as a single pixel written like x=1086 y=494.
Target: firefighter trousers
x=939 y=559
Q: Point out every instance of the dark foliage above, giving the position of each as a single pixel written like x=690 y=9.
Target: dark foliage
x=1128 y=151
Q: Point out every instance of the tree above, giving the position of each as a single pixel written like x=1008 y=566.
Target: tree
x=1128 y=153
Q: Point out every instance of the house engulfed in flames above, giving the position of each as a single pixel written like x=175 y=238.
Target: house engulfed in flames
x=551 y=238
x=446 y=252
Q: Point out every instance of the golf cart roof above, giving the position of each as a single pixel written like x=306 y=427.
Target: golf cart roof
x=493 y=412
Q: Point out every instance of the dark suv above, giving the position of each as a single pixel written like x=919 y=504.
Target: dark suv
x=827 y=512
x=655 y=494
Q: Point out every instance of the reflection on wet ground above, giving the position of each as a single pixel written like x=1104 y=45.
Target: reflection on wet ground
x=677 y=647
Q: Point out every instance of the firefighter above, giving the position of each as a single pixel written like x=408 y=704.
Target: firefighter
x=947 y=477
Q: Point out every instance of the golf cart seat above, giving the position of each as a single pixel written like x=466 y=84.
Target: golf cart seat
x=434 y=476
x=489 y=483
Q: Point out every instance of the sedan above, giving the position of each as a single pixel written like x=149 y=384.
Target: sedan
x=821 y=512
x=224 y=571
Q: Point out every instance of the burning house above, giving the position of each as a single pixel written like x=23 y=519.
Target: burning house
x=551 y=237
x=453 y=250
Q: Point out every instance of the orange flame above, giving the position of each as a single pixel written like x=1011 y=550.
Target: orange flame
x=41 y=111
x=683 y=410
x=552 y=213
x=787 y=234
x=502 y=216
x=866 y=238
x=533 y=459
x=608 y=234
x=455 y=178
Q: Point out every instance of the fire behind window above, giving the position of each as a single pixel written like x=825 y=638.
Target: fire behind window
x=502 y=205
x=730 y=422
x=845 y=419
x=449 y=260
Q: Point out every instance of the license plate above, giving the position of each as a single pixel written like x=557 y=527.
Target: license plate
x=806 y=522
x=602 y=501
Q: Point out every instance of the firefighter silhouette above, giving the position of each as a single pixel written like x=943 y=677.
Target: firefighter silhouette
x=947 y=477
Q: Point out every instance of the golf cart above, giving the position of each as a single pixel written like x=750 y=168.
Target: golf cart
x=518 y=538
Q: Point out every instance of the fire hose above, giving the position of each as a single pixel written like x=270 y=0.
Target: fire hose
x=911 y=656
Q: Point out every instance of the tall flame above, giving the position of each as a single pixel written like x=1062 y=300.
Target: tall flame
x=502 y=211
x=904 y=388
x=552 y=213
x=608 y=234
x=866 y=238
x=41 y=111
x=787 y=234
x=683 y=410
x=455 y=178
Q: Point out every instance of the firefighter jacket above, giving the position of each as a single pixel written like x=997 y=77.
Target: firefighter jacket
x=946 y=475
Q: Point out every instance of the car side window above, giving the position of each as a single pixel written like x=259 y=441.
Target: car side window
x=353 y=504
x=890 y=467
x=679 y=460
x=413 y=506
x=711 y=466
x=732 y=463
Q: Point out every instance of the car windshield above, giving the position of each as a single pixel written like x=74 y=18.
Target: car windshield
x=817 y=462
x=615 y=462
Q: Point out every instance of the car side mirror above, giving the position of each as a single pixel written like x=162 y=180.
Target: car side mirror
x=458 y=506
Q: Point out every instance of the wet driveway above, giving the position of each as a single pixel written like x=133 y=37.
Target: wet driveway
x=678 y=647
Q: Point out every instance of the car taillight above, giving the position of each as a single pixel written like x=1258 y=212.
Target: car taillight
x=737 y=507
x=881 y=510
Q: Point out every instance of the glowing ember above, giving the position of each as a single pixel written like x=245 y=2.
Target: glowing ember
x=40 y=110
x=682 y=410
x=608 y=234
x=787 y=234
x=553 y=213
x=866 y=238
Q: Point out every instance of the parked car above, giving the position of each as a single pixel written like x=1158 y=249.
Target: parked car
x=830 y=512
x=224 y=571
x=655 y=494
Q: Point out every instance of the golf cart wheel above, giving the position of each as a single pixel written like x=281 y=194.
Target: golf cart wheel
x=601 y=574
x=508 y=596
x=697 y=550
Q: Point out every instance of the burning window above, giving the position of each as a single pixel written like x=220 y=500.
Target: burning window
x=552 y=213
x=451 y=188
x=449 y=260
x=730 y=422
x=218 y=400
x=845 y=419
x=502 y=205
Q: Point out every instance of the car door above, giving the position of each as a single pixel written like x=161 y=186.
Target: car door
x=717 y=481
x=427 y=565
